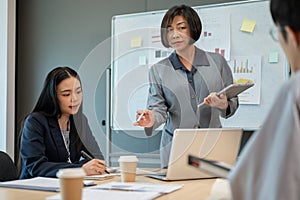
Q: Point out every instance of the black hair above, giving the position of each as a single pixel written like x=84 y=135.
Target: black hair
x=189 y=14
x=286 y=13
x=48 y=102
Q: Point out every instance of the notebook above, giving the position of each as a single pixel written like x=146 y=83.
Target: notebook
x=220 y=144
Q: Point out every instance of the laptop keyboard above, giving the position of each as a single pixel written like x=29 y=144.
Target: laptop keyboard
x=160 y=176
x=163 y=174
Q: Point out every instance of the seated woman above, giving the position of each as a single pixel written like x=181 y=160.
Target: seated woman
x=56 y=131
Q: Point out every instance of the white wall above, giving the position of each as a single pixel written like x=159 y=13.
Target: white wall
x=7 y=75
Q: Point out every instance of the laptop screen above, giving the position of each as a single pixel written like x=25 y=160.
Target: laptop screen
x=220 y=144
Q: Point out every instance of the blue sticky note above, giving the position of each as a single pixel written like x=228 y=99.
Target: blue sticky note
x=273 y=56
x=142 y=60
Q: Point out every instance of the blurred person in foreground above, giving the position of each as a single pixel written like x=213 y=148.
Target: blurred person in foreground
x=269 y=165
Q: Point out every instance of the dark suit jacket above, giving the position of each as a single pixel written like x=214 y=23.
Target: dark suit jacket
x=42 y=147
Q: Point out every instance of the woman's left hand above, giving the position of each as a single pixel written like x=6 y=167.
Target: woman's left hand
x=214 y=100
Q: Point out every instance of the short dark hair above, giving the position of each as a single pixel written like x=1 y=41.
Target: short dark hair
x=286 y=13
x=189 y=14
x=48 y=102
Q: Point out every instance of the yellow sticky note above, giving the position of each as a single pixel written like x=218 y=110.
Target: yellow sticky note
x=248 y=25
x=273 y=56
x=136 y=42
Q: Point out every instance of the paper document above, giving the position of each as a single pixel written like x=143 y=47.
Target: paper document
x=89 y=194
x=38 y=183
x=115 y=172
x=141 y=187
x=100 y=177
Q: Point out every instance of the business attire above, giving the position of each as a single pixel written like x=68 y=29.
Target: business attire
x=175 y=92
x=43 y=150
x=269 y=165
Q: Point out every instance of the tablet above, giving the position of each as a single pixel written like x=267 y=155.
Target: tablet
x=234 y=89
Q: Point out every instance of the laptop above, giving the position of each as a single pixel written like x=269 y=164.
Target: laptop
x=220 y=144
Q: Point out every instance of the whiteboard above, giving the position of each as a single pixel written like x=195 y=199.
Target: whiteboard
x=136 y=46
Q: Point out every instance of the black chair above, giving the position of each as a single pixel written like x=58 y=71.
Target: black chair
x=8 y=170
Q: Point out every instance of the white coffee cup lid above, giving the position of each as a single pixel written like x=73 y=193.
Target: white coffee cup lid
x=70 y=173
x=128 y=159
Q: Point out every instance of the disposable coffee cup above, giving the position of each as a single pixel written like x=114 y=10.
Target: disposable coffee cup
x=71 y=183
x=128 y=168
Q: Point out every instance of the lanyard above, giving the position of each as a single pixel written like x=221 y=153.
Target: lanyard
x=66 y=137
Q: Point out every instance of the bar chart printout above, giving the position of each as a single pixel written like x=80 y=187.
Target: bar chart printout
x=247 y=69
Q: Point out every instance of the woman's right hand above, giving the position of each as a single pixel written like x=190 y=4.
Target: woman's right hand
x=94 y=167
x=146 y=120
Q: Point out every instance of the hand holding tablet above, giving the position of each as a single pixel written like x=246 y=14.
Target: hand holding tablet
x=232 y=90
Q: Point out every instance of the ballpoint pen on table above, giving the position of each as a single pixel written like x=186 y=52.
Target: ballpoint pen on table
x=87 y=156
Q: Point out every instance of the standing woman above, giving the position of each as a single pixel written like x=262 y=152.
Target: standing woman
x=56 y=131
x=188 y=77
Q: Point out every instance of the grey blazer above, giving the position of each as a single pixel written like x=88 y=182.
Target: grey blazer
x=174 y=102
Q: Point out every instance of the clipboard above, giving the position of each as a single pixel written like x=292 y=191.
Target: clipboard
x=234 y=89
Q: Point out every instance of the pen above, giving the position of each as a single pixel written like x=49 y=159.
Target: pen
x=140 y=117
x=88 y=157
x=201 y=104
